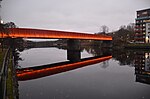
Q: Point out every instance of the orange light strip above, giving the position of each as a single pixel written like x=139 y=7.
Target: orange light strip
x=38 y=33
x=32 y=74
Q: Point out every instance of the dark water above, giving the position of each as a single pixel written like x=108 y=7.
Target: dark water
x=125 y=76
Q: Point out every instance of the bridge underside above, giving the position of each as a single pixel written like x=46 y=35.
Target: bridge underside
x=51 y=34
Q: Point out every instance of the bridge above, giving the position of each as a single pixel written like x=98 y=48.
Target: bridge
x=51 y=69
x=51 y=34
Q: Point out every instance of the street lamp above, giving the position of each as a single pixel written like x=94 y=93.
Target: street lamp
x=1 y=21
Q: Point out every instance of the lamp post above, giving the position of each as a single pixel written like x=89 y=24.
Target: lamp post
x=1 y=31
x=1 y=26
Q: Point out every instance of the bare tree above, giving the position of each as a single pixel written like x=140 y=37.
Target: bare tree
x=104 y=29
x=10 y=25
x=123 y=27
x=130 y=27
x=4 y=30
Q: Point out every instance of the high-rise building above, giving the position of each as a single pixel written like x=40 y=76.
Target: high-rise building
x=142 y=27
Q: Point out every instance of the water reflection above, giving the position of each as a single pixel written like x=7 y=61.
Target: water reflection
x=51 y=69
x=117 y=77
x=142 y=67
x=139 y=59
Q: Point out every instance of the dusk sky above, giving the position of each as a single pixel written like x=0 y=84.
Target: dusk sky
x=72 y=15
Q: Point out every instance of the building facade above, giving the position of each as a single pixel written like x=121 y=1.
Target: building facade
x=142 y=27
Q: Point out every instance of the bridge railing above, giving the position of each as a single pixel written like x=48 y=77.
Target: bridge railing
x=3 y=75
x=38 y=33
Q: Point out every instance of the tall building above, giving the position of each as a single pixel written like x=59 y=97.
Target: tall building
x=142 y=27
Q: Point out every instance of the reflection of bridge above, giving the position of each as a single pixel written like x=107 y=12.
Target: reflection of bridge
x=46 y=70
x=38 y=33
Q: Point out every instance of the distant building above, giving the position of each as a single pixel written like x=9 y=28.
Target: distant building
x=142 y=27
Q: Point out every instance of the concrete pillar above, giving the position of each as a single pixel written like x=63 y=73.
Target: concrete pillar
x=73 y=50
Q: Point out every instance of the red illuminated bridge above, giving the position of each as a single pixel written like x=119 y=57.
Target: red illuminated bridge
x=51 y=34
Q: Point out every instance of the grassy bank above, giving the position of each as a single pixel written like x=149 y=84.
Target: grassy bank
x=138 y=46
x=10 y=87
x=2 y=53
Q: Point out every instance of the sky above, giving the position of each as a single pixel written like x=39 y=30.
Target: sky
x=72 y=15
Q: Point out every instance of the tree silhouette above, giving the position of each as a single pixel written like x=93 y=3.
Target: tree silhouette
x=4 y=29
x=104 y=29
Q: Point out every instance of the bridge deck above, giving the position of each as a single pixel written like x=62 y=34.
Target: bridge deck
x=53 y=34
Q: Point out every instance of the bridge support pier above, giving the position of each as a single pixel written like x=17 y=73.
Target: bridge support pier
x=73 y=50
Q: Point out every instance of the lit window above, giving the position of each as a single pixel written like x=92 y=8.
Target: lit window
x=144 y=12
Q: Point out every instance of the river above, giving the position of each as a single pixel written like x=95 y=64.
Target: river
x=124 y=76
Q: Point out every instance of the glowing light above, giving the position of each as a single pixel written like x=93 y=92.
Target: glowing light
x=147 y=55
x=2 y=21
x=37 y=33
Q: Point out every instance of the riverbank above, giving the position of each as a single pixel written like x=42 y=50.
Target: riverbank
x=2 y=53
x=138 y=46
x=12 y=85
x=8 y=79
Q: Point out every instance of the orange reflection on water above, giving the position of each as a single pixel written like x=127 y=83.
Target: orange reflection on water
x=32 y=74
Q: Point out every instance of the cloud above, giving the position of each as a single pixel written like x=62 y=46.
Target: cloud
x=74 y=15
